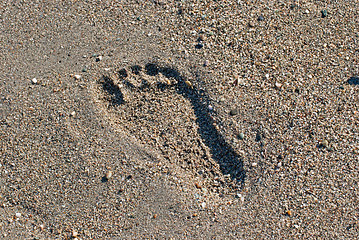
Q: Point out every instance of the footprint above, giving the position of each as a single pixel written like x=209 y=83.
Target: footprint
x=167 y=112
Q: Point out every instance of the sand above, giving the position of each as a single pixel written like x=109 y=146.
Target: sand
x=179 y=120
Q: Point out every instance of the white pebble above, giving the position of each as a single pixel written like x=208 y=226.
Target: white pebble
x=99 y=58
x=34 y=80
x=73 y=113
x=210 y=108
x=109 y=174
x=203 y=205
x=75 y=234
x=267 y=76
x=18 y=215
x=254 y=164
x=241 y=197
x=278 y=85
x=107 y=69
x=78 y=77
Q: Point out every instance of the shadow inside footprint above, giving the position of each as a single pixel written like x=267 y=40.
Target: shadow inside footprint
x=227 y=158
x=113 y=90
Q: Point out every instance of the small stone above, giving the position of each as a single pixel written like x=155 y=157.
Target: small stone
x=73 y=113
x=267 y=76
x=18 y=215
x=306 y=11
x=324 y=144
x=34 y=80
x=296 y=226
x=278 y=85
x=189 y=84
x=109 y=174
x=240 y=196
x=78 y=77
x=353 y=81
x=99 y=58
x=233 y=112
x=260 y=18
x=84 y=69
x=324 y=13
x=154 y=216
x=42 y=227
x=75 y=234
x=203 y=205
x=210 y=108
x=289 y=213
x=241 y=136
x=205 y=63
x=198 y=185
x=251 y=24
x=199 y=46
x=202 y=38
x=254 y=164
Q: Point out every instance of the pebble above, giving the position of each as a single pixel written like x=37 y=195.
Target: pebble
x=199 y=46
x=210 y=108
x=203 y=205
x=34 y=80
x=251 y=24
x=254 y=164
x=267 y=76
x=73 y=113
x=261 y=18
x=78 y=77
x=292 y=6
x=289 y=213
x=75 y=233
x=202 y=38
x=109 y=174
x=189 y=84
x=306 y=11
x=18 y=215
x=99 y=58
x=84 y=69
x=278 y=85
x=205 y=63
x=233 y=112
x=241 y=136
x=324 y=144
x=353 y=80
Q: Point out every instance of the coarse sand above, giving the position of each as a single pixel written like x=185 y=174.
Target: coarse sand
x=179 y=119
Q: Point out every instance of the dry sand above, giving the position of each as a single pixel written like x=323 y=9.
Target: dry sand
x=179 y=119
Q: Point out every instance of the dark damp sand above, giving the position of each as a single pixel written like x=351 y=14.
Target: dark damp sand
x=156 y=110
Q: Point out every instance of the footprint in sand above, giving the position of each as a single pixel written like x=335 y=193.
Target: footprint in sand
x=165 y=111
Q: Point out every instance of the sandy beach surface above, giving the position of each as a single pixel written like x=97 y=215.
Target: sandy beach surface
x=179 y=119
